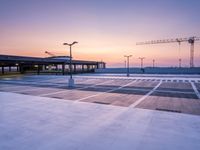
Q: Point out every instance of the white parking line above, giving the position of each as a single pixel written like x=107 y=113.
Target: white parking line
x=195 y=90
x=75 y=89
x=145 y=96
x=105 y=92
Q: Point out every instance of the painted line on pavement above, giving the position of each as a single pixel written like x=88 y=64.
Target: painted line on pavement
x=145 y=96
x=105 y=92
x=75 y=89
x=195 y=89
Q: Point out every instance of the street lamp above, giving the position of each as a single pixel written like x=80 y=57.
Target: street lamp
x=153 y=63
x=179 y=62
x=128 y=56
x=71 y=80
x=141 y=59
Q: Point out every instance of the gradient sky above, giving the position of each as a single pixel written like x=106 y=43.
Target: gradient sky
x=105 y=29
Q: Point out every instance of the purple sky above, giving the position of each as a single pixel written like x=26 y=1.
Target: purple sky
x=105 y=29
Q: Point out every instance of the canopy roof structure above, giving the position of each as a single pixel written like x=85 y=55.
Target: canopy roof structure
x=6 y=60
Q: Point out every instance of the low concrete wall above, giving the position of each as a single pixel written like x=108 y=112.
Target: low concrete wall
x=150 y=70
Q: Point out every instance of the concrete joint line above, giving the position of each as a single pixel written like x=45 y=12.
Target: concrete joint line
x=145 y=96
x=195 y=89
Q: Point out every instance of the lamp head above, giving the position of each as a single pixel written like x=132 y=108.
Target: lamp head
x=70 y=44
x=65 y=44
x=75 y=42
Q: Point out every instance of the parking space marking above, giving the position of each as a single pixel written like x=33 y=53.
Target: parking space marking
x=145 y=96
x=75 y=89
x=106 y=91
x=57 y=82
x=195 y=89
x=167 y=78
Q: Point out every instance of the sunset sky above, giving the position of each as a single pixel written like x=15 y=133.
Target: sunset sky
x=105 y=29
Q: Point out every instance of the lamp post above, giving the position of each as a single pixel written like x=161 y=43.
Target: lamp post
x=71 y=80
x=153 y=63
x=179 y=52
x=179 y=62
x=128 y=56
x=141 y=59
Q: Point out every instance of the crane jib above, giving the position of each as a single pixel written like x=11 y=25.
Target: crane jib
x=190 y=40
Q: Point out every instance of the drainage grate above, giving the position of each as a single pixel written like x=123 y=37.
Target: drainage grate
x=101 y=103
x=169 y=110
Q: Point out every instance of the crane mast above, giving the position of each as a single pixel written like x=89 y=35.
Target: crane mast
x=190 y=40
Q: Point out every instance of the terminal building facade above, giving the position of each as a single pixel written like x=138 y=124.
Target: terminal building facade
x=57 y=64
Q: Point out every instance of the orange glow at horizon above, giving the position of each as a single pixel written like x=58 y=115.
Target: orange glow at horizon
x=112 y=54
x=106 y=31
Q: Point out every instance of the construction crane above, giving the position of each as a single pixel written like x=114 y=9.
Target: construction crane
x=50 y=54
x=190 y=40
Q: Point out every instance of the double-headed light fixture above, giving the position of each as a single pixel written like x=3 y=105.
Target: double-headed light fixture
x=71 y=80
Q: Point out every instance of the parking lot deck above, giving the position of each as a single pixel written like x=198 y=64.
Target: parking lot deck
x=42 y=123
x=100 y=112
x=177 y=94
